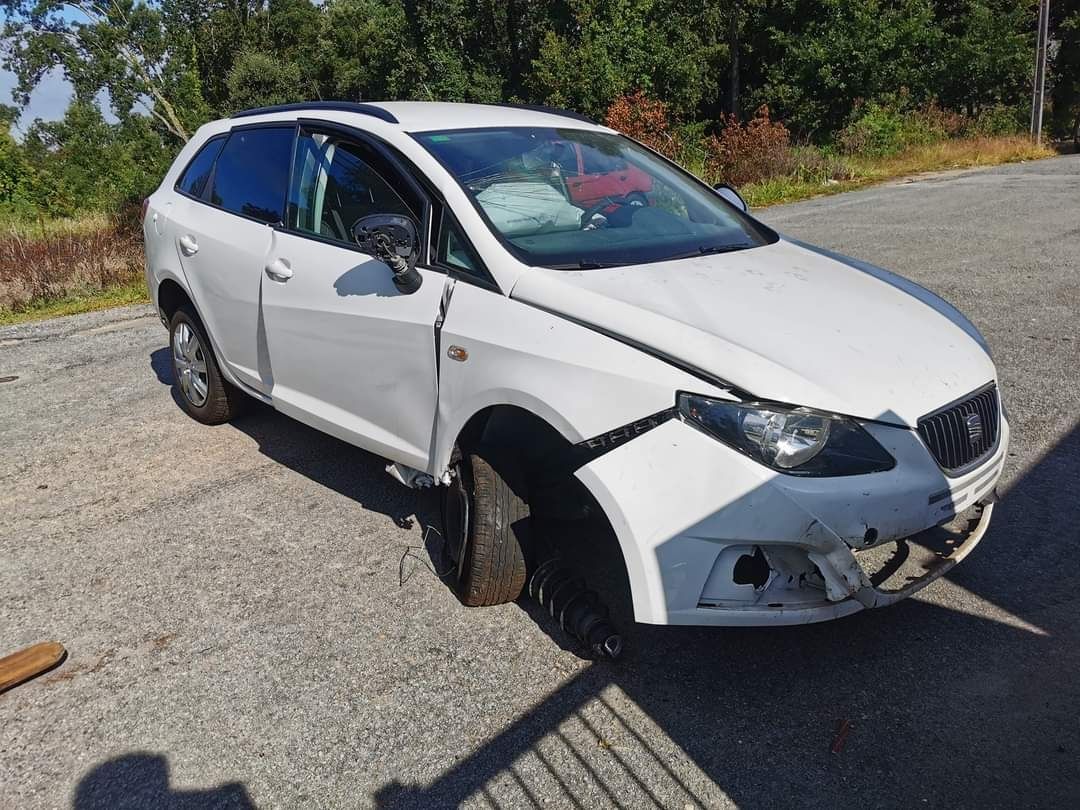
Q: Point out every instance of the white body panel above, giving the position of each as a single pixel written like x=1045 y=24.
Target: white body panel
x=673 y=529
x=785 y=324
x=337 y=346
x=575 y=379
x=225 y=276
x=340 y=310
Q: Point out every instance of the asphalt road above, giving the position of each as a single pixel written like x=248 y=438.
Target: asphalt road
x=239 y=633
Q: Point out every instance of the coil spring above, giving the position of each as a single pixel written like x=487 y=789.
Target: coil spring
x=575 y=607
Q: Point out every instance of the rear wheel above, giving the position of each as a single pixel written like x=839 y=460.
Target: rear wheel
x=486 y=525
x=204 y=393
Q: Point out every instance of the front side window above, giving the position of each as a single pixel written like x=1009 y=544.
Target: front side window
x=573 y=199
x=252 y=172
x=335 y=184
x=193 y=181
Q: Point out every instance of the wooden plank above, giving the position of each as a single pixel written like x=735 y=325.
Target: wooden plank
x=30 y=662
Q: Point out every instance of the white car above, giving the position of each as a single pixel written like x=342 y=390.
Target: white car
x=755 y=417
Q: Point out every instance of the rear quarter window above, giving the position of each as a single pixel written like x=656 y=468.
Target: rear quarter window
x=193 y=181
x=252 y=173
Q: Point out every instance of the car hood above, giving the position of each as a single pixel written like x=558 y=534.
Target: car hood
x=784 y=322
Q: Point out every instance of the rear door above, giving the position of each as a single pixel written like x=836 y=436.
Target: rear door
x=224 y=234
x=348 y=352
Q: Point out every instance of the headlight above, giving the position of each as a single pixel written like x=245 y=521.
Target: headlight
x=797 y=441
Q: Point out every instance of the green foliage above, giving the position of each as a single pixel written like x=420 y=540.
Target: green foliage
x=366 y=51
x=998 y=120
x=850 y=50
x=989 y=56
x=1065 y=78
x=15 y=179
x=81 y=164
x=608 y=48
x=257 y=79
x=852 y=72
x=885 y=130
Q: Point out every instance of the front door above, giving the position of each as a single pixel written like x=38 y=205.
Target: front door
x=349 y=353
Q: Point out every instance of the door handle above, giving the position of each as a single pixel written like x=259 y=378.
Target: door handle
x=279 y=270
x=188 y=245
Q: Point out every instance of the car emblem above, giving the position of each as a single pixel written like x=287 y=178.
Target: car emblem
x=974 y=428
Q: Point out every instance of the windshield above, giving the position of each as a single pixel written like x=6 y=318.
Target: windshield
x=568 y=198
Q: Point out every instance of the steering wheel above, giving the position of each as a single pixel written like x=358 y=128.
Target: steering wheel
x=603 y=206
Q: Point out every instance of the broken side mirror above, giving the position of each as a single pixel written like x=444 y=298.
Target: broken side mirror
x=395 y=241
x=732 y=196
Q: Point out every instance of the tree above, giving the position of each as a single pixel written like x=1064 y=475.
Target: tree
x=120 y=48
x=988 y=53
x=15 y=175
x=609 y=48
x=257 y=79
x=832 y=54
x=1065 y=70
x=366 y=51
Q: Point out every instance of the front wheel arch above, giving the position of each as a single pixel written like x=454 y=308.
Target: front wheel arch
x=547 y=460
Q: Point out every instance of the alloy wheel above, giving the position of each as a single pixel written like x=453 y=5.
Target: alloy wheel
x=189 y=360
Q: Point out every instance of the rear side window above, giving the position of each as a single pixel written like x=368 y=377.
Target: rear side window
x=252 y=173
x=193 y=180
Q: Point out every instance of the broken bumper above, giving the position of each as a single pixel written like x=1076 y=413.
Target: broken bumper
x=710 y=537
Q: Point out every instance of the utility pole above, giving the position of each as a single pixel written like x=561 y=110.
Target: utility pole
x=1039 y=91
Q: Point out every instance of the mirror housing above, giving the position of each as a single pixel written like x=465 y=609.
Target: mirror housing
x=732 y=196
x=395 y=241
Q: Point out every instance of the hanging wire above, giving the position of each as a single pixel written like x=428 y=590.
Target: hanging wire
x=413 y=552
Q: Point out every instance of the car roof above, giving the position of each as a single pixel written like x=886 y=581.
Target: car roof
x=421 y=116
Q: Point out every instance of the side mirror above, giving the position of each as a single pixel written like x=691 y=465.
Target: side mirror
x=732 y=196
x=394 y=240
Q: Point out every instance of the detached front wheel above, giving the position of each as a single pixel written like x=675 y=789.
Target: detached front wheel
x=486 y=525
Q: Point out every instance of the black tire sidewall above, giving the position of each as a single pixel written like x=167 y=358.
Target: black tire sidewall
x=507 y=569
x=216 y=408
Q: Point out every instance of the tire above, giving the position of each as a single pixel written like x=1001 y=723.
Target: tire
x=486 y=524
x=201 y=390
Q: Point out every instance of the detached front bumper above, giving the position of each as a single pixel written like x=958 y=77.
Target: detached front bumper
x=710 y=537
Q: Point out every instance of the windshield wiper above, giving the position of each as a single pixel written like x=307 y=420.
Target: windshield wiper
x=706 y=250
x=584 y=264
x=703 y=250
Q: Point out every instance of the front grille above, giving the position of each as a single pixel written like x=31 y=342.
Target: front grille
x=960 y=434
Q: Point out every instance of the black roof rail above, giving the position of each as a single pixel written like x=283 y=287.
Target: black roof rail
x=344 y=106
x=543 y=108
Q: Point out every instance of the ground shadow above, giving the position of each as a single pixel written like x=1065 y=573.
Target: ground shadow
x=141 y=781
x=348 y=470
x=161 y=365
x=969 y=705
x=959 y=706
x=342 y=467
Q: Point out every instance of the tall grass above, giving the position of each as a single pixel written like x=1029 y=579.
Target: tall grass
x=831 y=174
x=67 y=259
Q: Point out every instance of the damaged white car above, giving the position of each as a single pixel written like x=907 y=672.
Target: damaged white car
x=500 y=300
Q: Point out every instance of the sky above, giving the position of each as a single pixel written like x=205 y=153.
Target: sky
x=48 y=101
